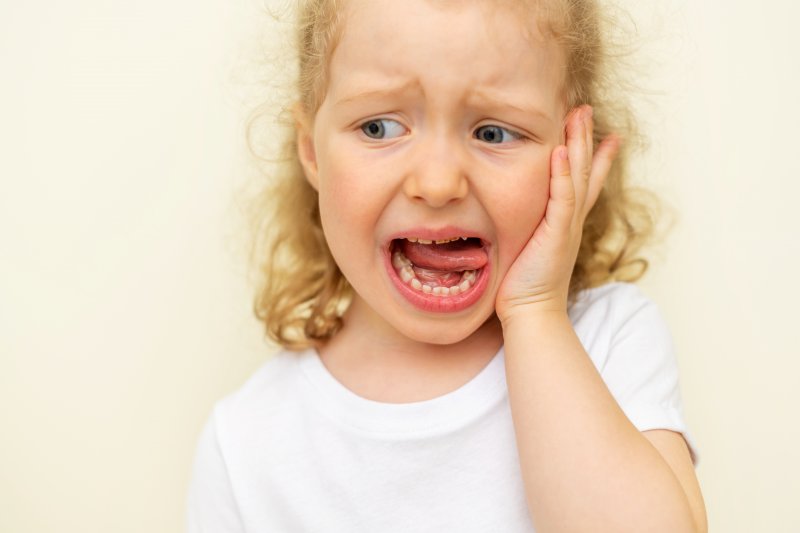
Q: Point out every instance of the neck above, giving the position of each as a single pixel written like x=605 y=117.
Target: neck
x=370 y=344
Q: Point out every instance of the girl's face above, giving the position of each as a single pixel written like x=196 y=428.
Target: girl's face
x=438 y=123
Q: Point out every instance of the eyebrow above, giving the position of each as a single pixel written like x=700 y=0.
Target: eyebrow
x=479 y=96
x=498 y=100
x=381 y=93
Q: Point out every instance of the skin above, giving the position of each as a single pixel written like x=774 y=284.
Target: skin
x=528 y=197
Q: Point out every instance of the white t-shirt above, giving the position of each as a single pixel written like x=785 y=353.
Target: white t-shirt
x=294 y=450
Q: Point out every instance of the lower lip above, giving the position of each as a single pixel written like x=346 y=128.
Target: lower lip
x=439 y=304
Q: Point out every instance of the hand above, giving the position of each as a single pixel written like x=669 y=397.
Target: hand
x=539 y=277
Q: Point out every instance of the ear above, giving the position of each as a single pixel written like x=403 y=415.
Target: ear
x=305 y=145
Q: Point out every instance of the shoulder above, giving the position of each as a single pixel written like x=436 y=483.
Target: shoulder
x=239 y=425
x=264 y=395
x=247 y=418
x=614 y=301
x=618 y=317
x=630 y=344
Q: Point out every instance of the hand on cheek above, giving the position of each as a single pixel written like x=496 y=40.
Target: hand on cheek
x=538 y=280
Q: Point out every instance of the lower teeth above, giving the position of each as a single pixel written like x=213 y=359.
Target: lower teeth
x=403 y=267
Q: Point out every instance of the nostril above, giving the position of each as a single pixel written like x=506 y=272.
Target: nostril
x=438 y=189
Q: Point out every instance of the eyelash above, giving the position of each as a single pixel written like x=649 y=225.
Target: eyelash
x=515 y=135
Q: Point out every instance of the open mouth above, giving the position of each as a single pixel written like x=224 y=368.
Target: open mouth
x=446 y=274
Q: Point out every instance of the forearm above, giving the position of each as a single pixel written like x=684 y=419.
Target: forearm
x=585 y=466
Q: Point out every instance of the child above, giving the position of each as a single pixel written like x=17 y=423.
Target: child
x=444 y=269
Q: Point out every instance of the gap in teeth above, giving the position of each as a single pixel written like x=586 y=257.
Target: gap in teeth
x=404 y=269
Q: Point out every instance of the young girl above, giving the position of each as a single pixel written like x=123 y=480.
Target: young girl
x=444 y=275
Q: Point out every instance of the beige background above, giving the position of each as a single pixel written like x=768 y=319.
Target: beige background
x=124 y=305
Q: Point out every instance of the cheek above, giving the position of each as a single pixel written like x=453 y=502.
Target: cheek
x=347 y=177
x=524 y=205
x=349 y=201
x=338 y=177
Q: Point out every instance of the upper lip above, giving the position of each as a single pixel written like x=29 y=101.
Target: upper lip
x=438 y=234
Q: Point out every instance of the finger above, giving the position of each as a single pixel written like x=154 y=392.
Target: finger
x=579 y=159
x=561 y=204
x=588 y=119
x=601 y=165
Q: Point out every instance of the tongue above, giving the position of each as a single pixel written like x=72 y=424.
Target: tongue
x=455 y=256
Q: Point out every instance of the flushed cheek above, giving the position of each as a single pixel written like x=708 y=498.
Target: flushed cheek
x=350 y=208
x=355 y=175
x=343 y=216
x=519 y=215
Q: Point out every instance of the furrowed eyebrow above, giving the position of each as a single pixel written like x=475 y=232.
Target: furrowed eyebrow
x=387 y=92
x=478 y=97
x=496 y=100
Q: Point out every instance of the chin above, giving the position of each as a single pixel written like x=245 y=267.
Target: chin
x=444 y=333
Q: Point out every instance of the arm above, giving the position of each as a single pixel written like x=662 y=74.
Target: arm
x=584 y=465
x=673 y=449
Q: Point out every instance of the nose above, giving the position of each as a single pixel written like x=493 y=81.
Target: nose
x=438 y=174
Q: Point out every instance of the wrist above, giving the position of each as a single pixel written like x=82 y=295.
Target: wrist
x=549 y=304
x=530 y=317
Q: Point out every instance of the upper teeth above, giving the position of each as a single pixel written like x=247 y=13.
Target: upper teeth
x=426 y=241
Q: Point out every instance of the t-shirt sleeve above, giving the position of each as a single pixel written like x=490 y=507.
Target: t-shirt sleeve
x=210 y=503
x=641 y=369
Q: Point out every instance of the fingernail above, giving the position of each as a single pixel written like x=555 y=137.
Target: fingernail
x=562 y=153
x=589 y=111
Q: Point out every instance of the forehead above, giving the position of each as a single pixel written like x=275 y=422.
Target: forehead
x=444 y=46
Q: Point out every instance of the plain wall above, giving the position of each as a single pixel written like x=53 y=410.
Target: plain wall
x=124 y=303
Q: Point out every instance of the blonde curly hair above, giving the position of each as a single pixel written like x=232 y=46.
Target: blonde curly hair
x=302 y=294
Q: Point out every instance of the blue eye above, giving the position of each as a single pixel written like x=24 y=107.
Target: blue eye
x=496 y=134
x=382 y=128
